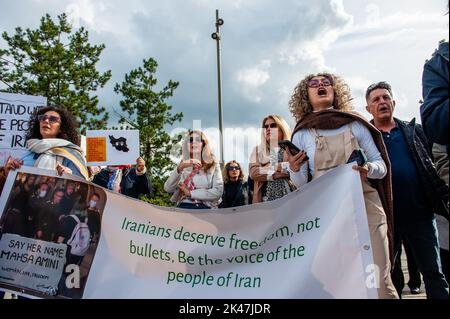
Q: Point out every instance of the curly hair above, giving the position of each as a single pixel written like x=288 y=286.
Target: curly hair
x=67 y=131
x=299 y=105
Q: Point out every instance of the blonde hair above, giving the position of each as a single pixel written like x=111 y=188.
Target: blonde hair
x=208 y=159
x=264 y=146
x=281 y=123
x=300 y=106
x=225 y=172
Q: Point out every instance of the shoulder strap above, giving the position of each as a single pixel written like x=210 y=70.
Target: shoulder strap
x=72 y=236
x=314 y=132
x=76 y=218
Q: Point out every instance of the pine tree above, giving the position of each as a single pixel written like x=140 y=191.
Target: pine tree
x=149 y=112
x=59 y=64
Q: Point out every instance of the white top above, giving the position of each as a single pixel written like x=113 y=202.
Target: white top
x=274 y=162
x=208 y=186
x=305 y=140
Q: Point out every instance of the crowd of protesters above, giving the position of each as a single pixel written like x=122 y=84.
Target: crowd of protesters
x=327 y=132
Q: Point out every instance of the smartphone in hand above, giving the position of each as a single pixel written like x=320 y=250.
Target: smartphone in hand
x=359 y=157
x=294 y=150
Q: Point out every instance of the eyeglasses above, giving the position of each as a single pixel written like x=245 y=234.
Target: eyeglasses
x=233 y=168
x=195 y=139
x=271 y=125
x=51 y=118
x=315 y=83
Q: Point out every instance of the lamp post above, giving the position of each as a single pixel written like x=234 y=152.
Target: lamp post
x=216 y=36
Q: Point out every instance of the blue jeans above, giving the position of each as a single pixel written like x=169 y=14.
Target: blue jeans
x=422 y=239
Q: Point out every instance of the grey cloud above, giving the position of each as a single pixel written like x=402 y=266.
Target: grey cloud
x=177 y=35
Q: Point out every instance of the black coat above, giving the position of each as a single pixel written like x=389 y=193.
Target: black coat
x=434 y=110
x=240 y=197
x=435 y=188
x=134 y=185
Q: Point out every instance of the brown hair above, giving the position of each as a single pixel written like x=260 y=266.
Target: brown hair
x=225 y=172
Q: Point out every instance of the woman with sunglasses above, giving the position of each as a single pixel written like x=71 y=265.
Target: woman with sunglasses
x=329 y=131
x=235 y=190
x=268 y=163
x=196 y=183
x=52 y=142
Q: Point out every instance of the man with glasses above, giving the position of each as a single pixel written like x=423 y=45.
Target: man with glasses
x=418 y=191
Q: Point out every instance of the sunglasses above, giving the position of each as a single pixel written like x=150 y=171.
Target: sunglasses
x=233 y=168
x=271 y=125
x=51 y=118
x=195 y=139
x=315 y=83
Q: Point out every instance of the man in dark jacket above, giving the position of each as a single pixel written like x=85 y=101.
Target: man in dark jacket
x=418 y=191
x=136 y=181
x=434 y=110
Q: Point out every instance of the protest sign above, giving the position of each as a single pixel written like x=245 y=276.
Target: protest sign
x=39 y=213
x=312 y=243
x=112 y=147
x=15 y=112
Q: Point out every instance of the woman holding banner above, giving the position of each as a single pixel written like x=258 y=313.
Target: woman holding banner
x=52 y=143
x=329 y=131
x=196 y=183
x=268 y=163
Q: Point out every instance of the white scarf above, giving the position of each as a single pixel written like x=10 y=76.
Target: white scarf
x=141 y=173
x=47 y=160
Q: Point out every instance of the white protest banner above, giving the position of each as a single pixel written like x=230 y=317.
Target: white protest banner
x=313 y=243
x=15 y=112
x=31 y=263
x=37 y=224
x=112 y=147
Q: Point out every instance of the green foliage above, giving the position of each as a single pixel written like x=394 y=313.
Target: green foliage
x=148 y=111
x=159 y=196
x=59 y=64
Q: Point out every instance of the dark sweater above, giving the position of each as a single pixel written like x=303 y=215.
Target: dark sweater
x=234 y=194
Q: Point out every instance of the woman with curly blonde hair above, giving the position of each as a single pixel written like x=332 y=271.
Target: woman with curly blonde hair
x=328 y=130
x=300 y=104
x=197 y=181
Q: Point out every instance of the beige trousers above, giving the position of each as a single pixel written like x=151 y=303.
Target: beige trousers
x=332 y=151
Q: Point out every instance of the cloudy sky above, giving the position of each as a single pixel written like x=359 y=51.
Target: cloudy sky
x=268 y=46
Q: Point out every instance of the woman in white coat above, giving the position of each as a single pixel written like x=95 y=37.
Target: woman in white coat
x=196 y=182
